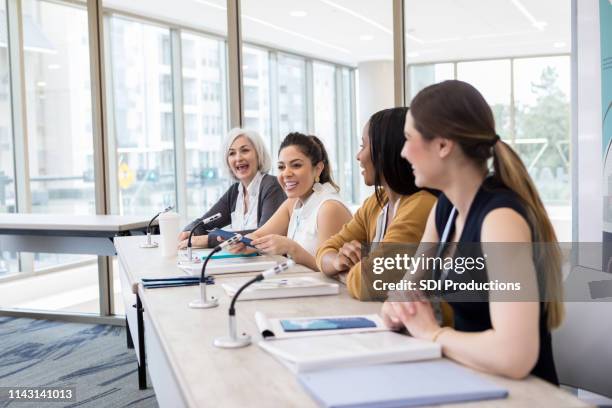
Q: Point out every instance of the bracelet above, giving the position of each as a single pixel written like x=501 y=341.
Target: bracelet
x=438 y=333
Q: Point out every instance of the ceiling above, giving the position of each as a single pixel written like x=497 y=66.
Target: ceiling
x=352 y=31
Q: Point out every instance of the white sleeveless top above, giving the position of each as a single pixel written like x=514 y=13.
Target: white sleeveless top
x=303 y=222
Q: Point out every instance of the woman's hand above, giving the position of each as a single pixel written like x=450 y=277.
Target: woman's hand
x=274 y=244
x=197 y=241
x=238 y=247
x=183 y=235
x=347 y=256
x=416 y=316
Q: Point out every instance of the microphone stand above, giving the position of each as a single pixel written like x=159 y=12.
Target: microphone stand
x=150 y=244
x=205 y=221
x=203 y=302
x=233 y=340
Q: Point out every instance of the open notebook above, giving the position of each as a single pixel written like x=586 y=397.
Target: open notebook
x=281 y=288
x=229 y=265
x=352 y=349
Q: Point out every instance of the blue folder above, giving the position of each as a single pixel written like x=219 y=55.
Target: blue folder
x=399 y=385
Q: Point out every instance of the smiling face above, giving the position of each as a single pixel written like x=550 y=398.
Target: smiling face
x=242 y=159
x=420 y=153
x=296 y=174
x=364 y=157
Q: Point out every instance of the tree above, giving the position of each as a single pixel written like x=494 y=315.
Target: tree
x=548 y=119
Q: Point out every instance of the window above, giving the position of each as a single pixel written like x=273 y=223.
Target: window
x=7 y=170
x=58 y=105
x=256 y=78
x=521 y=66
x=205 y=183
x=542 y=111
x=324 y=76
x=492 y=79
x=420 y=76
x=306 y=81
x=143 y=113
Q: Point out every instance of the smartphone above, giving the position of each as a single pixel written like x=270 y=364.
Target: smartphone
x=228 y=234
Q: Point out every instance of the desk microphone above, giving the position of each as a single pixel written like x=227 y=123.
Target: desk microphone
x=233 y=341
x=205 y=221
x=150 y=244
x=203 y=302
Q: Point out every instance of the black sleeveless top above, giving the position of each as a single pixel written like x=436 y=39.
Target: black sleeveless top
x=475 y=316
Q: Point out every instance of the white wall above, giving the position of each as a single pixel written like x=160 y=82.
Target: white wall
x=375 y=88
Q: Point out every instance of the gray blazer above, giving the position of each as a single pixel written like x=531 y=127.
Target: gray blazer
x=271 y=196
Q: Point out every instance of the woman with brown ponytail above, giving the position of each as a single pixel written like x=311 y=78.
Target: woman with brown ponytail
x=313 y=211
x=450 y=136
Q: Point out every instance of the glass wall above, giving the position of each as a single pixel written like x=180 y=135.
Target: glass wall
x=7 y=170
x=60 y=155
x=205 y=119
x=58 y=100
x=521 y=66
x=140 y=58
x=311 y=83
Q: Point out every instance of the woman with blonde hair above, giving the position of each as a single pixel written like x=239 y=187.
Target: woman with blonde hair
x=251 y=200
x=450 y=136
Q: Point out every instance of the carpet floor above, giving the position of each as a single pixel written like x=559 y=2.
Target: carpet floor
x=92 y=358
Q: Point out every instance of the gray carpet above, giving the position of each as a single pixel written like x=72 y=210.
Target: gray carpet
x=93 y=358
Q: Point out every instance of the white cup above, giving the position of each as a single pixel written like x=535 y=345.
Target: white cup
x=169 y=230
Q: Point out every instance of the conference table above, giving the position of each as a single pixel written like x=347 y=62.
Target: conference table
x=71 y=234
x=187 y=370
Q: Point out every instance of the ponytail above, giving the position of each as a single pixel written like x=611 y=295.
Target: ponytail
x=458 y=111
x=325 y=176
x=511 y=172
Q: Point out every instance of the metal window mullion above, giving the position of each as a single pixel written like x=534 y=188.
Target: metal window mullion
x=399 y=54
x=19 y=121
x=309 y=96
x=234 y=44
x=353 y=131
x=101 y=171
x=339 y=110
x=273 y=93
x=112 y=177
x=180 y=163
x=512 y=104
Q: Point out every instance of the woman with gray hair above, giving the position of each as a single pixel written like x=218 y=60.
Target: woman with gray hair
x=251 y=200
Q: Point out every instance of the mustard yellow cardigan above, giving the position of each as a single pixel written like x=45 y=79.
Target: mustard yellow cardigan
x=407 y=226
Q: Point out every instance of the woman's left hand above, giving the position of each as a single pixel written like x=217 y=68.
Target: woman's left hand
x=274 y=244
x=417 y=316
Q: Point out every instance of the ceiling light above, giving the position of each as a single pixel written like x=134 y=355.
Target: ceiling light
x=359 y=16
x=295 y=33
x=559 y=44
x=54 y=66
x=366 y=37
x=534 y=22
x=412 y=54
x=540 y=25
x=298 y=13
x=41 y=84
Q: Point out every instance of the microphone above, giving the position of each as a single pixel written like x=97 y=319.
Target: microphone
x=205 y=221
x=203 y=302
x=150 y=244
x=233 y=341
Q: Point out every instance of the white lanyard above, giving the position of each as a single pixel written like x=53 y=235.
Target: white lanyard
x=444 y=239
